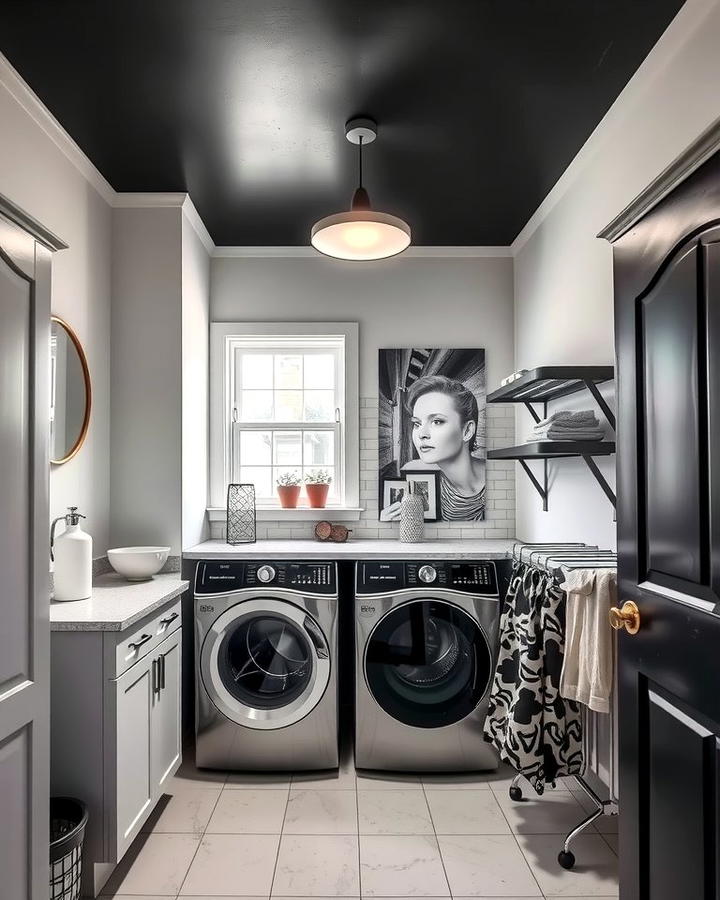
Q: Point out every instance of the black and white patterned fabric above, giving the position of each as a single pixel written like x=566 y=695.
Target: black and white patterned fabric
x=531 y=726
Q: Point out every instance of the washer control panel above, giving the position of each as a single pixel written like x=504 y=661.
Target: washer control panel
x=476 y=577
x=224 y=576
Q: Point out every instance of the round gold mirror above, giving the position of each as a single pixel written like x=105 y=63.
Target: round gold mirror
x=70 y=392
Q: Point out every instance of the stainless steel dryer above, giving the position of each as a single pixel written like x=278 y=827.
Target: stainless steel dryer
x=426 y=639
x=266 y=653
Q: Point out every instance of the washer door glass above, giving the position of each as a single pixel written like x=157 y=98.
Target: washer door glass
x=428 y=664
x=265 y=662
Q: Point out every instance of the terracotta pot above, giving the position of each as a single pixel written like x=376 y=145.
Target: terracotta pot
x=317 y=495
x=289 y=495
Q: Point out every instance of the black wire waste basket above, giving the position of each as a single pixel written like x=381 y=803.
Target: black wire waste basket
x=68 y=819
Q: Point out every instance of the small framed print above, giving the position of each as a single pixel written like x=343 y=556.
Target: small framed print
x=427 y=485
x=393 y=490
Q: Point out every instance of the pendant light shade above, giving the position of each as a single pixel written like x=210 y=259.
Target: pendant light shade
x=362 y=233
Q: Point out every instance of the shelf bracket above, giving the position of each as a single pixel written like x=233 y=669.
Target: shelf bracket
x=533 y=413
x=542 y=489
x=600 y=400
x=599 y=477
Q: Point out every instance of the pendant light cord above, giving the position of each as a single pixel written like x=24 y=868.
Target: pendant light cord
x=360 y=143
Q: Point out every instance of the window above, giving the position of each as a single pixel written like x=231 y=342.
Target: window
x=286 y=400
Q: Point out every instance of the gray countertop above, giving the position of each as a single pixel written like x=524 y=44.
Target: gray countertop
x=115 y=604
x=360 y=549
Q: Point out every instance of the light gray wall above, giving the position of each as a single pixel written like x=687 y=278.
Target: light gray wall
x=403 y=302
x=37 y=176
x=146 y=404
x=563 y=273
x=195 y=412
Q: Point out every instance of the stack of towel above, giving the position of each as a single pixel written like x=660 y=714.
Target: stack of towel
x=568 y=426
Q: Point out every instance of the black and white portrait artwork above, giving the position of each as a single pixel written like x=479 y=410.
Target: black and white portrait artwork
x=431 y=432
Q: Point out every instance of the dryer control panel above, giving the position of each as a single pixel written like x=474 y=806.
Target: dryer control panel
x=219 y=576
x=469 y=577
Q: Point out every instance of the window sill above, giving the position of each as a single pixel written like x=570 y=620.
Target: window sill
x=299 y=514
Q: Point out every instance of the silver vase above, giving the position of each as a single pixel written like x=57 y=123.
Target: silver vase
x=412 y=518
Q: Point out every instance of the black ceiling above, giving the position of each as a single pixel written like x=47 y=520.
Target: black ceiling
x=481 y=104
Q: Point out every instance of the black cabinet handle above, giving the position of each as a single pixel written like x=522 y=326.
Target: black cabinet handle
x=138 y=644
x=155 y=688
x=169 y=619
x=162 y=672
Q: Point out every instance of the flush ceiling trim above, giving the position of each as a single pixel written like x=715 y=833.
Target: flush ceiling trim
x=413 y=252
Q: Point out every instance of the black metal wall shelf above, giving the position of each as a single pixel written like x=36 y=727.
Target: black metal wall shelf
x=548 y=383
x=542 y=385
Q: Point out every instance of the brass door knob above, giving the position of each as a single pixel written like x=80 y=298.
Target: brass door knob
x=628 y=617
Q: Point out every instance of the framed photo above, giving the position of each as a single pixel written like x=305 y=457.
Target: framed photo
x=432 y=419
x=393 y=490
x=427 y=485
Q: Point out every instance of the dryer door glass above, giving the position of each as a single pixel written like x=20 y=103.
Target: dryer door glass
x=265 y=662
x=428 y=664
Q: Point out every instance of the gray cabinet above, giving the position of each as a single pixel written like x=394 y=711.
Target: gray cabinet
x=116 y=729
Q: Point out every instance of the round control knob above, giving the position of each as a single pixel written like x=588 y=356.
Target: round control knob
x=266 y=574
x=428 y=574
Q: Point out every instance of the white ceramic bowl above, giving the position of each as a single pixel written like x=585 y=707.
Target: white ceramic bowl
x=138 y=563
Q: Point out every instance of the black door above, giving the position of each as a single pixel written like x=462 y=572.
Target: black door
x=428 y=664
x=667 y=296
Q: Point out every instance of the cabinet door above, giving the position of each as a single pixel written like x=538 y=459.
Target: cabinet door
x=133 y=727
x=165 y=738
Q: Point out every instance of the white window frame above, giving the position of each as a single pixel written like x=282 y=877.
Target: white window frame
x=224 y=337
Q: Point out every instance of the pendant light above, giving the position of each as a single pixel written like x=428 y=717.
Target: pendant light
x=362 y=233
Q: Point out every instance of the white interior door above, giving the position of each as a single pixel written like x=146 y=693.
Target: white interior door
x=24 y=580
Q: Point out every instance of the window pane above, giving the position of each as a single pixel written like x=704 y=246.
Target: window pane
x=257 y=370
x=319 y=370
x=288 y=371
x=260 y=477
x=288 y=448
x=319 y=406
x=256 y=406
x=288 y=406
x=255 y=448
x=319 y=448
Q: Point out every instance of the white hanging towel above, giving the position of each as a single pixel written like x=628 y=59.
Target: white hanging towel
x=587 y=673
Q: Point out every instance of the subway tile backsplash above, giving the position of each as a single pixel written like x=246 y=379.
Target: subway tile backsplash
x=500 y=495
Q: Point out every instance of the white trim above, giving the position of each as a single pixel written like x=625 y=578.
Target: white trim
x=299 y=514
x=26 y=98
x=219 y=332
x=193 y=217
x=311 y=253
x=148 y=199
x=686 y=22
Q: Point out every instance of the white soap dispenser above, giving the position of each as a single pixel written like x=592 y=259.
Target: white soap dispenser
x=72 y=554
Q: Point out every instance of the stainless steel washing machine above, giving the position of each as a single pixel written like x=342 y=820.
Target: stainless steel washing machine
x=426 y=636
x=265 y=654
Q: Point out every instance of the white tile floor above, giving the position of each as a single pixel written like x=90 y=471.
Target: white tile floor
x=355 y=835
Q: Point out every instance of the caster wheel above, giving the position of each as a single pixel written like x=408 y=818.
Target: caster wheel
x=566 y=858
x=515 y=793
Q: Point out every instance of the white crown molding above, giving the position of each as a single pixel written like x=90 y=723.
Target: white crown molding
x=308 y=252
x=41 y=115
x=193 y=217
x=149 y=200
x=168 y=200
x=686 y=22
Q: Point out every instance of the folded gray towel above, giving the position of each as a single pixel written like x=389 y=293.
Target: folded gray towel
x=553 y=434
x=567 y=419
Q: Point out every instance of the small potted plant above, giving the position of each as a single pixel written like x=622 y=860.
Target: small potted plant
x=317 y=485
x=288 y=488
